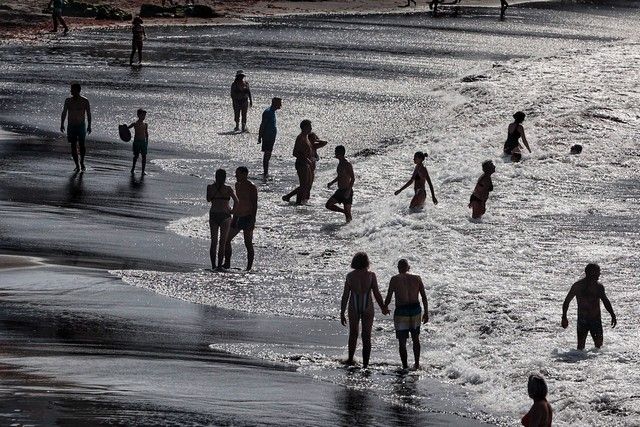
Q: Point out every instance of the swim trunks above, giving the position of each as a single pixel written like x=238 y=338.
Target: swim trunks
x=218 y=218
x=140 y=147
x=344 y=196
x=407 y=318
x=243 y=222
x=76 y=133
x=594 y=327
x=268 y=142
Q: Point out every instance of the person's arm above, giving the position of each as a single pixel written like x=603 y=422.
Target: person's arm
x=390 y=291
x=262 y=126
x=144 y=33
x=297 y=149
x=319 y=144
x=88 y=117
x=254 y=202
x=332 y=182
x=607 y=305
x=423 y=295
x=343 y=303
x=235 y=200
x=131 y=125
x=433 y=195
x=524 y=138
x=146 y=132
x=209 y=195
x=377 y=295
x=64 y=114
x=404 y=186
x=565 y=306
x=250 y=98
x=352 y=175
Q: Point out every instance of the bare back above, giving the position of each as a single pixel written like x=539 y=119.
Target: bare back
x=406 y=287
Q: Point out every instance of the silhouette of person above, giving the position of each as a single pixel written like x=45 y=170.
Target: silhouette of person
x=244 y=215
x=588 y=293
x=58 y=6
x=480 y=194
x=139 y=35
x=302 y=151
x=419 y=177
x=241 y=99
x=219 y=195
x=140 y=140
x=77 y=107
x=515 y=131
x=540 y=414
x=267 y=133
x=503 y=8
x=345 y=180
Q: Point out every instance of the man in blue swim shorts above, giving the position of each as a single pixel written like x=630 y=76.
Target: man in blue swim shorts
x=267 y=133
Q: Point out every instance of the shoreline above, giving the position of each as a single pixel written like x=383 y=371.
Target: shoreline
x=35 y=25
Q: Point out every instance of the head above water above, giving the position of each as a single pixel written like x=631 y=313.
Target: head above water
x=360 y=261
x=488 y=167
x=276 y=103
x=75 y=89
x=305 y=126
x=141 y=113
x=240 y=75
x=403 y=266
x=537 y=387
x=242 y=172
x=419 y=157
x=519 y=117
x=221 y=177
x=592 y=271
x=340 y=151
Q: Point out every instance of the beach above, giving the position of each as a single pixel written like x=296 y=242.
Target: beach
x=108 y=306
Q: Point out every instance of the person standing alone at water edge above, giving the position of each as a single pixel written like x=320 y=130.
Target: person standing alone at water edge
x=140 y=140
x=77 y=107
x=138 y=36
x=515 y=131
x=540 y=414
x=419 y=178
x=408 y=315
x=588 y=293
x=244 y=215
x=358 y=287
x=345 y=180
x=302 y=151
x=219 y=194
x=56 y=15
x=241 y=99
x=480 y=194
x=267 y=133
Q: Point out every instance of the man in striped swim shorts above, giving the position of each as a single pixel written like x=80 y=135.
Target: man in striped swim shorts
x=408 y=314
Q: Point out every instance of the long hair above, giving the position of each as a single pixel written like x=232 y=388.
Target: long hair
x=360 y=261
x=221 y=177
x=537 y=387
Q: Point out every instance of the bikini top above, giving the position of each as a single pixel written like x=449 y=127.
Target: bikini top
x=220 y=197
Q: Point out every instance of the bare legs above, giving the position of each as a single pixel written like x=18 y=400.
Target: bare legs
x=402 y=347
x=135 y=160
x=136 y=46
x=223 y=229
x=367 y=325
x=331 y=205
x=248 y=243
x=74 y=153
x=265 y=163
x=57 y=18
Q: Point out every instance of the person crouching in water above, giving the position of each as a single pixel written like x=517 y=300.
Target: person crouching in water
x=480 y=194
x=140 y=140
x=345 y=180
x=419 y=178
x=407 y=315
x=540 y=414
x=138 y=36
x=358 y=287
x=514 y=133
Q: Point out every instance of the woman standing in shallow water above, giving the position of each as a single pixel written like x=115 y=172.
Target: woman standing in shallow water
x=219 y=195
x=358 y=287
x=419 y=178
x=514 y=133
x=540 y=414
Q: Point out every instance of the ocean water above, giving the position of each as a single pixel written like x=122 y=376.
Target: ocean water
x=386 y=86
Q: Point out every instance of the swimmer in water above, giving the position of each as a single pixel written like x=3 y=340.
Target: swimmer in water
x=419 y=178
x=588 y=293
x=345 y=180
x=358 y=289
x=514 y=133
x=480 y=194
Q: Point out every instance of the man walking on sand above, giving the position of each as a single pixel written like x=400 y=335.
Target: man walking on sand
x=588 y=293
x=58 y=5
x=267 y=133
x=244 y=216
x=77 y=107
x=408 y=314
x=302 y=151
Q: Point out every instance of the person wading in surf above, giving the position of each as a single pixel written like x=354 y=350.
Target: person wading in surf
x=515 y=131
x=588 y=293
x=419 y=177
x=345 y=180
x=358 y=288
x=408 y=314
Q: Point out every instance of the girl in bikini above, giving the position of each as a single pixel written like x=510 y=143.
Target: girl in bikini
x=419 y=178
x=358 y=287
x=514 y=133
x=219 y=195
